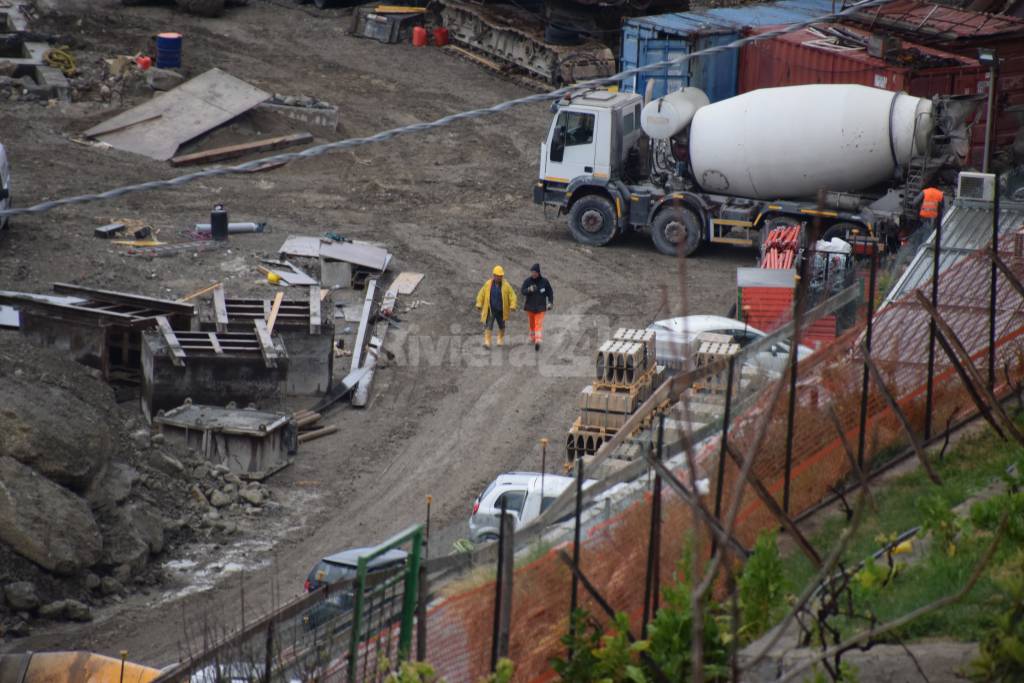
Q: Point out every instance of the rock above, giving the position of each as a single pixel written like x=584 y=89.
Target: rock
x=110 y=586
x=19 y=629
x=92 y=582
x=30 y=504
x=251 y=496
x=221 y=470
x=123 y=573
x=171 y=465
x=142 y=438
x=113 y=486
x=228 y=527
x=148 y=524
x=53 y=430
x=201 y=471
x=232 y=478
x=224 y=498
x=21 y=595
x=54 y=610
x=158 y=439
x=163 y=79
x=200 y=497
x=77 y=611
x=131 y=533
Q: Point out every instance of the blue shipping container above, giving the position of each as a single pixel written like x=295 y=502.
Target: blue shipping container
x=648 y=40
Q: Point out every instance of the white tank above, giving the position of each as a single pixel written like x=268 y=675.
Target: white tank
x=780 y=143
x=666 y=116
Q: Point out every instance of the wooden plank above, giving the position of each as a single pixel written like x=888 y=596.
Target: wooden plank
x=107 y=296
x=406 y=282
x=199 y=292
x=220 y=309
x=314 y=310
x=177 y=353
x=326 y=292
x=233 y=151
x=215 y=343
x=274 y=310
x=266 y=343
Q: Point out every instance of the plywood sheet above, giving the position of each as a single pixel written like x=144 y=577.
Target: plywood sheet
x=357 y=253
x=156 y=128
x=407 y=282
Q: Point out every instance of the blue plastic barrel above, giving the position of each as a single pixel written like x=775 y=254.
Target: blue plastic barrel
x=168 y=50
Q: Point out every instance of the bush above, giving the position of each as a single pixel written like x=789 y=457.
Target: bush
x=762 y=588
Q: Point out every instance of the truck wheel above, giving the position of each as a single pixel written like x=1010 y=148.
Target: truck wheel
x=676 y=228
x=592 y=221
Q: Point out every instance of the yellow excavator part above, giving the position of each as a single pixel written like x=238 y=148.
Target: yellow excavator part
x=71 y=667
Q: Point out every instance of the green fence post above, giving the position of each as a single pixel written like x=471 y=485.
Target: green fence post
x=357 y=618
x=411 y=595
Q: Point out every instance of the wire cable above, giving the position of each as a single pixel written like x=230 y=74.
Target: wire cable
x=385 y=135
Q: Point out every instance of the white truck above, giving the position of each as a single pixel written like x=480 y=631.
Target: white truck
x=691 y=172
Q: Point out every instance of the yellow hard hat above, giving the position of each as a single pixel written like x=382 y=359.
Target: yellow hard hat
x=273 y=278
x=499 y=271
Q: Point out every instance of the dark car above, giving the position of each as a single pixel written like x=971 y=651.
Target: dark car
x=341 y=567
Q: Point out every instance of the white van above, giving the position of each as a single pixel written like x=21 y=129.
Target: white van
x=521 y=492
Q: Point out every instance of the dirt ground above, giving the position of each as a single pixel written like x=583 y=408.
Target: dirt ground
x=445 y=418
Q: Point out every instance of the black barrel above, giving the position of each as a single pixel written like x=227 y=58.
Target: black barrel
x=219 y=223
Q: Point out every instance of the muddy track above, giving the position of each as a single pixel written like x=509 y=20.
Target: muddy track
x=445 y=419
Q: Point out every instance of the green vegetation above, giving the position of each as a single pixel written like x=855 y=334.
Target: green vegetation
x=762 y=589
x=892 y=586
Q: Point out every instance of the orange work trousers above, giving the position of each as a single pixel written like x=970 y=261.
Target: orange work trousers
x=536 y=325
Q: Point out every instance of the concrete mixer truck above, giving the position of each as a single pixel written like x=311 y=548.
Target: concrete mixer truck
x=691 y=172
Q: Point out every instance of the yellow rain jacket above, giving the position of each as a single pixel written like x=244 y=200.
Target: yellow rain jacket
x=508 y=299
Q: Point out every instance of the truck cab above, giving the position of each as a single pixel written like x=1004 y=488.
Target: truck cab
x=583 y=160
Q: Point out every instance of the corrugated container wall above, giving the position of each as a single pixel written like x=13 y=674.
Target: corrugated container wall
x=648 y=40
x=804 y=57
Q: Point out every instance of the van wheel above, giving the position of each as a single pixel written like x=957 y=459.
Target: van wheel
x=488 y=538
x=676 y=228
x=592 y=221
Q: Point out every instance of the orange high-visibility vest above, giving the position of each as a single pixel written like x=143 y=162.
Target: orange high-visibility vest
x=930 y=204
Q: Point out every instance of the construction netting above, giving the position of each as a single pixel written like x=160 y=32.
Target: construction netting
x=825 y=442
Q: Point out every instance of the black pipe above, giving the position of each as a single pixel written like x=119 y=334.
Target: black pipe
x=495 y=633
x=720 y=484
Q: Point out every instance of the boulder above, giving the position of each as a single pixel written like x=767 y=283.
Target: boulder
x=113 y=486
x=53 y=431
x=92 y=582
x=224 y=498
x=54 y=610
x=77 y=611
x=21 y=595
x=252 y=496
x=30 y=504
x=110 y=586
x=131 y=533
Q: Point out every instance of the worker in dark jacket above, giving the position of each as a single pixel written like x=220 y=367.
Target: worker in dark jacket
x=540 y=297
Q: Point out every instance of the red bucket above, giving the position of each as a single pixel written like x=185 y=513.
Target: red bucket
x=440 y=36
x=420 y=37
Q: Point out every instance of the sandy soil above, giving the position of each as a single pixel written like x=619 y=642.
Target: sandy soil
x=445 y=418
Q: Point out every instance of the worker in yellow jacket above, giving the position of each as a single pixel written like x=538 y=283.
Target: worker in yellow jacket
x=496 y=300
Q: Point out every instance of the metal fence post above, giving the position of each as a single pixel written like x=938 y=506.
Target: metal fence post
x=410 y=596
x=573 y=597
x=652 y=578
x=719 y=486
x=496 y=629
x=992 y=293
x=929 y=391
x=864 y=382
